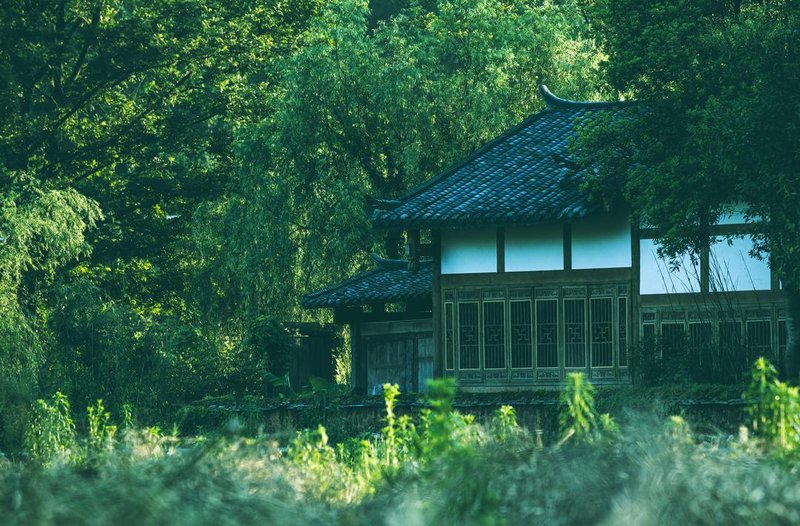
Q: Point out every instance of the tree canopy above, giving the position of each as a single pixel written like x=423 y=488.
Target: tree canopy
x=174 y=175
x=719 y=125
x=369 y=110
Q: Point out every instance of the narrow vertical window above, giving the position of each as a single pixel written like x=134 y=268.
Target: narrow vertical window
x=782 y=337
x=673 y=339
x=547 y=333
x=468 y=342
x=602 y=332
x=700 y=344
x=575 y=332
x=521 y=329
x=759 y=340
x=494 y=331
x=622 y=313
x=732 y=358
x=449 y=337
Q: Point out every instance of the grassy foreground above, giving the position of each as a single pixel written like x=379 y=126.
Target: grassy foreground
x=441 y=469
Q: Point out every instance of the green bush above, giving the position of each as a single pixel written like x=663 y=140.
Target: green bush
x=774 y=407
x=50 y=435
x=577 y=415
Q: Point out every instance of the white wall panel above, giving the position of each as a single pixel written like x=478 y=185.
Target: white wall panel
x=732 y=268
x=601 y=242
x=539 y=247
x=469 y=251
x=656 y=275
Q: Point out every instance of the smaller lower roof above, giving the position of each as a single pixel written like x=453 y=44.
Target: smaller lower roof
x=389 y=282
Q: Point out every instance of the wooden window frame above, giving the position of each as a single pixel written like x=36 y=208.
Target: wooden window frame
x=531 y=336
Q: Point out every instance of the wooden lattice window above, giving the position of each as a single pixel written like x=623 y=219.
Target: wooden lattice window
x=730 y=335
x=468 y=341
x=449 y=337
x=494 y=330
x=782 y=337
x=673 y=339
x=575 y=332
x=759 y=339
x=547 y=333
x=601 y=321
x=700 y=342
x=521 y=330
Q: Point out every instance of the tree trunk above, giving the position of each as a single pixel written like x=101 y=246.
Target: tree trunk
x=792 y=332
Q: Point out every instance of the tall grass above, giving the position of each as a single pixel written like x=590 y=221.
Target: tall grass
x=439 y=468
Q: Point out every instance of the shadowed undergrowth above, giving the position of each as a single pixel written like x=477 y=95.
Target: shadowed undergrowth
x=441 y=468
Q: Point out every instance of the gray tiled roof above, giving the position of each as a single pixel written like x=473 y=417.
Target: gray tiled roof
x=390 y=281
x=524 y=176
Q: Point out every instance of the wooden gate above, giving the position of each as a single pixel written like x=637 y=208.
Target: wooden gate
x=398 y=352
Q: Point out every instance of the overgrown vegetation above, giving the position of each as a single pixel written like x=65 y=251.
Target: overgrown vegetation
x=440 y=467
x=175 y=175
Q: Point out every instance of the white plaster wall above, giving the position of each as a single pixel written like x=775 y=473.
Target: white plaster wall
x=601 y=242
x=656 y=275
x=732 y=268
x=469 y=251
x=539 y=247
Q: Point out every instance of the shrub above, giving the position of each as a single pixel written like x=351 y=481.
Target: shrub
x=577 y=415
x=774 y=407
x=50 y=435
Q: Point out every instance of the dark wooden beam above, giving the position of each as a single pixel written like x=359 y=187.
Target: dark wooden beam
x=436 y=299
x=537 y=278
x=705 y=268
x=501 y=249
x=567 y=246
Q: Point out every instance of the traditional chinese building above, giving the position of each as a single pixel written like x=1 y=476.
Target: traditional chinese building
x=528 y=280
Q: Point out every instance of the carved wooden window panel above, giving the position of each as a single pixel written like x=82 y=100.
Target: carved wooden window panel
x=547 y=333
x=575 y=332
x=759 y=339
x=468 y=336
x=601 y=320
x=622 y=316
x=494 y=331
x=701 y=343
x=673 y=340
x=449 y=337
x=521 y=334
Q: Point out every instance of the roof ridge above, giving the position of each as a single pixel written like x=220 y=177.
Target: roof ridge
x=555 y=102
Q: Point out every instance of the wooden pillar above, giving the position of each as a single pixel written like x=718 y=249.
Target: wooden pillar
x=633 y=296
x=436 y=307
x=501 y=250
x=567 y=246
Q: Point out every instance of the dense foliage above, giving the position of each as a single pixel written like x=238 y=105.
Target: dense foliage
x=718 y=126
x=175 y=175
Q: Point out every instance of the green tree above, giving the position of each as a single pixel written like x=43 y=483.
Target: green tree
x=131 y=108
x=370 y=110
x=719 y=126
